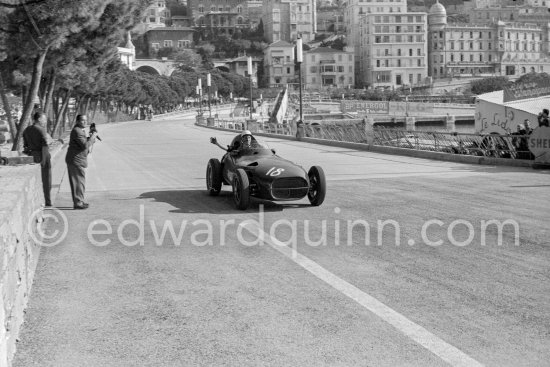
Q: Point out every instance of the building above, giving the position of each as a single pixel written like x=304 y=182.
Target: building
x=326 y=67
x=127 y=53
x=279 y=67
x=239 y=66
x=285 y=20
x=176 y=38
x=497 y=48
x=354 y=11
x=393 y=49
x=330 y=20
x=155 y=16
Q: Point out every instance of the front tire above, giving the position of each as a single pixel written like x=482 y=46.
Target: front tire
x=241 y=190
x=317 y=186
x=214 y=177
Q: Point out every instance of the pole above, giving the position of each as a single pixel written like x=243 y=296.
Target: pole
x=299 y=59
x=249 y=60
x=208 y=83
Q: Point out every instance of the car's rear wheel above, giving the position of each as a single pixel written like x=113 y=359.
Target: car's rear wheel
x=241 y=189
x=214 y=177
x=317 y=186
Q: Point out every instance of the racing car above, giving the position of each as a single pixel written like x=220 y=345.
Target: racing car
x=255 y=170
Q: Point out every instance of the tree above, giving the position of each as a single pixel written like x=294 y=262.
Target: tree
x=187 y=60
x=534 y=77
x=46 y=26
x=490 y=84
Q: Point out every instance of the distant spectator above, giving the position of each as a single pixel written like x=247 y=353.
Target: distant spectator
x=543 y=117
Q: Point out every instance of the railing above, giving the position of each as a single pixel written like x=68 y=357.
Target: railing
x=493 y=145
x=356 y=131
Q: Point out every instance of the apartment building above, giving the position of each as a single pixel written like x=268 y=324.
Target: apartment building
x=279 y=66
x=285 y=20
x=497 y=48
x=239 y=66
x=354 y=12
x=326 y=67
x=393 y=49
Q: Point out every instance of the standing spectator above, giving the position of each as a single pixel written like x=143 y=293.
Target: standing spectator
x=35 y=142
x=543 y=117
x=77 y=160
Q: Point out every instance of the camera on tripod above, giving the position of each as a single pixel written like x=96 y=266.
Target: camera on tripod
x=93 y=129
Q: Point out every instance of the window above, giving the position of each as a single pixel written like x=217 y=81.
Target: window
x=167 y=43
x=480 y=58
x=419 y=62
x=288 y=70
x=399 y=62
x=313 y=69
x=340 y=69
x=471 y=58
x=155 y=46
x=410 y=51
x=418 y=52
x=378 y=63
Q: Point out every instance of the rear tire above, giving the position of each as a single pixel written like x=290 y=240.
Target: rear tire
x=241 y=190
x=317 y=186
x=214 y=177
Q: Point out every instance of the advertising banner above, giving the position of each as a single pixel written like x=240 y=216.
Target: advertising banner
x=526 y=90
x=369 y=107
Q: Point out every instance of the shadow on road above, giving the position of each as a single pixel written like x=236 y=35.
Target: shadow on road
x=198 y=201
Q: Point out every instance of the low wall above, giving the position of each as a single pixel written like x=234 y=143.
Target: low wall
x=21 y=199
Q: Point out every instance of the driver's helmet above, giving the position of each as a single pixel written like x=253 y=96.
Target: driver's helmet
x=246 y=139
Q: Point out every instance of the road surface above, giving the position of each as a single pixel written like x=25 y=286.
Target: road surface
x=158 y=273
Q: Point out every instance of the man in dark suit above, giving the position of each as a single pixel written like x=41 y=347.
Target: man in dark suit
x=35 y=142
x=77 y=160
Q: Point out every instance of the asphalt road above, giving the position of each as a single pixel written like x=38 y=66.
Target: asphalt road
x=318 y=291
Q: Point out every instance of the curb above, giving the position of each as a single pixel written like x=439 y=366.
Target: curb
x=440 y=156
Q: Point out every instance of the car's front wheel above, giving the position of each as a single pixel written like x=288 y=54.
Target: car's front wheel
x=214 y=177
x=241 y=189
x=317 y=186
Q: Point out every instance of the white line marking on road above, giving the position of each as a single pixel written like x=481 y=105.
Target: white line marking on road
x=437 y=346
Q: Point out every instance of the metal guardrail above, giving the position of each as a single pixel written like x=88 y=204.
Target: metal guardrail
x=355 y=131
x=493 y=145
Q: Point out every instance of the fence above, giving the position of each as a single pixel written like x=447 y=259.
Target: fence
x=357 y=131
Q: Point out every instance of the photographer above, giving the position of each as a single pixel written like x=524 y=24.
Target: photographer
x=77 y=159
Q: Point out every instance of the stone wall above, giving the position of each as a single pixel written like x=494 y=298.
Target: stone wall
x=20 y=197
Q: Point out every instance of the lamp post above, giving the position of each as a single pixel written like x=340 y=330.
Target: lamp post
x=208 y=84
x=299 y=60
x=249 y=62
x=199 y=92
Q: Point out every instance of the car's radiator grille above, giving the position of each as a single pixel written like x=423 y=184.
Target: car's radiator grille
x=289 y=188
